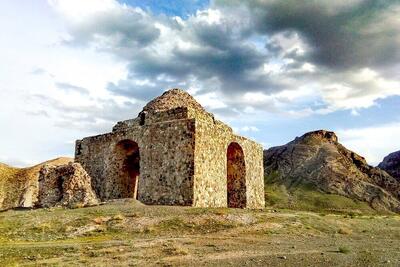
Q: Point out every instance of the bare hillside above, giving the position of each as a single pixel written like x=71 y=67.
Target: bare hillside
x=19 y=186
x=317 y=161
x=391 y=164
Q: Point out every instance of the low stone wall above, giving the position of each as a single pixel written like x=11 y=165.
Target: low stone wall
x=166 y=162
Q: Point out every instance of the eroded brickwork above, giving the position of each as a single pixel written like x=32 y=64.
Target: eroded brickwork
x=173 y=153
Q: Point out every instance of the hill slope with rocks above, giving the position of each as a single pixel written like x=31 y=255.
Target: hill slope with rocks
x=19 y=186
x=391 y=164
x=318 y=161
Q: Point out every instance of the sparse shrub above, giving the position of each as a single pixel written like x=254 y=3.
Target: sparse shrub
x=148 y=230
x=221 y=211
x=118 y=217
x=344 y=250
x=344 y=231
x=271 y=178
x=101 y=220
x=76 y=206
x=175 y=250
x=352 y=215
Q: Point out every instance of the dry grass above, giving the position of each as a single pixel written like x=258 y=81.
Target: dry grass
x=126 y=232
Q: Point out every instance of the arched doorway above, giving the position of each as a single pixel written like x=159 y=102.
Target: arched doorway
x=236 y=176
x=128 y=168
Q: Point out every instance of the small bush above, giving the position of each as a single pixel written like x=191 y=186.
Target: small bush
x=344 y=250
x=175 y=250
x=344 y=231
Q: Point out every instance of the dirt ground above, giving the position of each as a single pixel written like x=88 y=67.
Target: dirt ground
x=127 y=233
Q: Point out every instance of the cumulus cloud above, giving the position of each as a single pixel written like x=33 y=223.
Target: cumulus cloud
x=93 y=115
x=106 y=24
x=249 y=129
x=340 y=34
x=296 y=58
x=374 y=142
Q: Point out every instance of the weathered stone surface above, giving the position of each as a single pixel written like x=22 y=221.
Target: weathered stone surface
x=318 y=158
x=173 y=153
x=66 y=185
x=19 y=186
x=391 y=164
x=211 y=153
x=172 y=99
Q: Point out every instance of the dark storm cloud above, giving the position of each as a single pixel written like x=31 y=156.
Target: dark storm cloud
x=220 y=51
x=237 y=47
x=149 y=65
x=341 y=34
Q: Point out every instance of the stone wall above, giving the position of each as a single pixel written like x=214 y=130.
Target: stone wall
x=253 y=153
x=182 y=153
x=210 y=188
x=166 y=162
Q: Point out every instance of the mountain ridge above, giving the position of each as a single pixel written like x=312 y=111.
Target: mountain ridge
x=391 y=164
x=318 y=159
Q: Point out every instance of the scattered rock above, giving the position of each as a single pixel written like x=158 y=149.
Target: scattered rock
x=66 y=185
x=86 y=229
x=19 y=186
x=101 y=220
x=344 y=231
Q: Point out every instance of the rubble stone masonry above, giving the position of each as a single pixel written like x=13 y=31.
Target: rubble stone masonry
x=175 y=153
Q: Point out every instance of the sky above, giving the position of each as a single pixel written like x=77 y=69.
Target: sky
x=273 y=70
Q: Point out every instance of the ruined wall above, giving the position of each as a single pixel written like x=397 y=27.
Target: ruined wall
x=166 y=161
x=253 y=153
x=183 y=160
x=210 y=187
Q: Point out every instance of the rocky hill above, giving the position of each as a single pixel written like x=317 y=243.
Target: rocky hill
x=19 y=186
x=317 y=160
x=391 y=164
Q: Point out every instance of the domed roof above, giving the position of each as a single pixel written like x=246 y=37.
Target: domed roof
x=171 y=99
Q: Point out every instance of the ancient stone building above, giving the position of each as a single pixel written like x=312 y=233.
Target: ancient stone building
x=175 y=153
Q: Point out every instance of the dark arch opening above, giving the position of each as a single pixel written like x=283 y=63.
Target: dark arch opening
x=236 y=176
x=128 y=163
